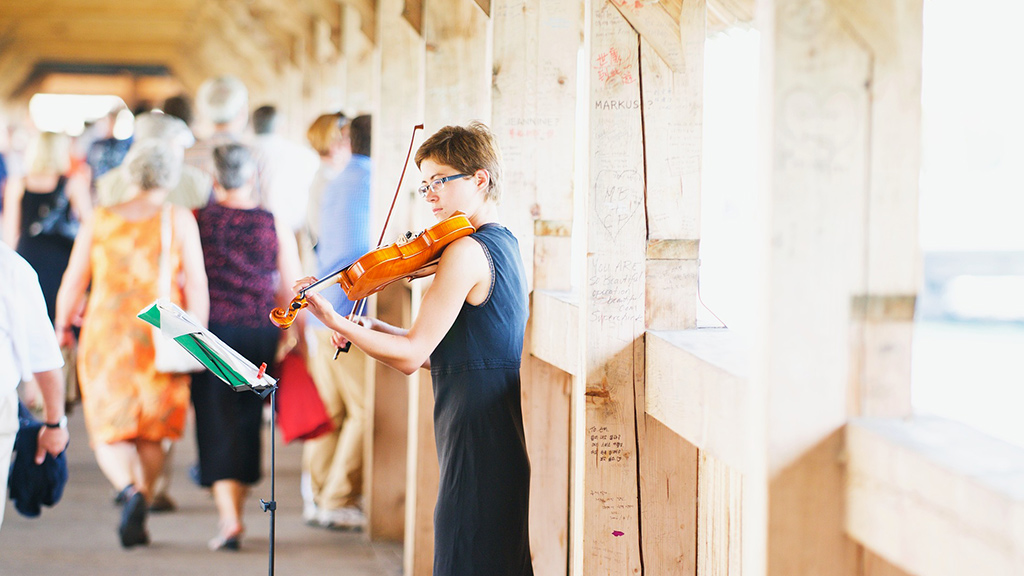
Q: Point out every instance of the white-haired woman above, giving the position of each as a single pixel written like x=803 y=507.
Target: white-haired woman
x=130 y=408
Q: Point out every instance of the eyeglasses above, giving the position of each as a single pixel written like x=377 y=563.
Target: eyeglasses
x=438 y=184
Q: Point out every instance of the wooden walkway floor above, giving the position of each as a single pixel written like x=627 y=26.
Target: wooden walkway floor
x=78 y=537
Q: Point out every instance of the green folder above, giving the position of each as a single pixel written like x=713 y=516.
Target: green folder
x=226 y=363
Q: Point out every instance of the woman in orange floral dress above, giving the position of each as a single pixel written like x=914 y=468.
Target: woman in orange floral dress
x=130 y=408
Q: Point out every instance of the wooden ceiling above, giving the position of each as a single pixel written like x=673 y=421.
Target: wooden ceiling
x=191 y=39
x=194 y=39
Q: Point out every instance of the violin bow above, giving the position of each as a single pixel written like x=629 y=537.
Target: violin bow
x=360 y=305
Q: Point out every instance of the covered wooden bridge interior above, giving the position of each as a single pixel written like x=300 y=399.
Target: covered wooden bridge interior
x=658 y=448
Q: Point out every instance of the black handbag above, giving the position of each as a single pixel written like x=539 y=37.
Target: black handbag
x=54 y=218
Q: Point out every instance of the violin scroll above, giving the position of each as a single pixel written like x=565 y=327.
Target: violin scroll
x=283 y=318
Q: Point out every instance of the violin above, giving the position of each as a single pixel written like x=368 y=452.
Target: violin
x=413 y=256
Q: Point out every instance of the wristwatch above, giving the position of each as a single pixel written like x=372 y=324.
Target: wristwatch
x=62 y=423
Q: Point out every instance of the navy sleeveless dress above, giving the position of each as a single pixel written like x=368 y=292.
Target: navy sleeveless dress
x=481 y=519
x=48 y=232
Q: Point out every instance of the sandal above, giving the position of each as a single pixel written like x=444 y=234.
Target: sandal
x=230 y=543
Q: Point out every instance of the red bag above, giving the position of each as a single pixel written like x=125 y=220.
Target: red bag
x=300 y=411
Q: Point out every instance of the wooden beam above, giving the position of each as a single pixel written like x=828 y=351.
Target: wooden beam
x=657 y=26
x=698 y=386
x=284 y=17
x=249 y=45
x=15 y=68
x=277 y=48
x=322 y=44
x=171 y=10
x=935 y=497
x=101 y=52
x=413 y=14
x=125 y=29
x=556 y=340
x=367 y=11
x=224 y=57
x=190 y=70
x=724 y=14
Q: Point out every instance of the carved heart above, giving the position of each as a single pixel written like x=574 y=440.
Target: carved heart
x=617 y=196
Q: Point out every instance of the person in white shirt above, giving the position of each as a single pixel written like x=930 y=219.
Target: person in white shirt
x=28 y=349
x=285 y=172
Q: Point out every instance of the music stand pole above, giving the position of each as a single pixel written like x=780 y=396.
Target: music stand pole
x=272 y=505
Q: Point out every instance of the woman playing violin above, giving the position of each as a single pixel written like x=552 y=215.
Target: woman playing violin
x=469 y=333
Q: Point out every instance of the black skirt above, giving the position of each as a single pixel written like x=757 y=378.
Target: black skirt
x=228 y=423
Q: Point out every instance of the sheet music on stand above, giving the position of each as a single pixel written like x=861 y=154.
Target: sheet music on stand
x=225 y=362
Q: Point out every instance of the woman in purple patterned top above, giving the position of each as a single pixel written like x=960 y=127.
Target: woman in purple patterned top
x=247 y=254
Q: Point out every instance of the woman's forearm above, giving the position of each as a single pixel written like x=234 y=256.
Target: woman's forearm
x=394 y=348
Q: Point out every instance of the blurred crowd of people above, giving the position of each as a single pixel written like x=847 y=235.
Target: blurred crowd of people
x=221 y=225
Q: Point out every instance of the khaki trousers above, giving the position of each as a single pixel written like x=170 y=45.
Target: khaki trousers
x=335 y=460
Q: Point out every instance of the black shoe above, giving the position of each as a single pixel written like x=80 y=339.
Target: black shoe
x=123 y=495
x=133 y=522
x=162 y=503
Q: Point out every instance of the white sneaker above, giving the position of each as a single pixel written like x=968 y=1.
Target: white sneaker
x=349 y=518
x=310 y=513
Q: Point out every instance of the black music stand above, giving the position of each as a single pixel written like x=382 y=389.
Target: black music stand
x=271 y=505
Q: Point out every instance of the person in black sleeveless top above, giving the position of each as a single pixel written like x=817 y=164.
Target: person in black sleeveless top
x=469 y=333
x=43 y=211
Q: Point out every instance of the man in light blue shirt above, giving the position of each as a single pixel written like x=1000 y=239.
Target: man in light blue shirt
x=334 y=461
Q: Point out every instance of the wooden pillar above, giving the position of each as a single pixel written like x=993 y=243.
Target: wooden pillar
x=455 y=89
x=386 y=472
x=533 y=99
x=398 y=99
x=830 y=175
x=883 y=309
x=607 y=538
x=458 y=63
x=882 y=312
x=672 y=69
x=360 y=64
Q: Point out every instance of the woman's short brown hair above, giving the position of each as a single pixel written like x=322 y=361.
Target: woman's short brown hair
x=324 y=131
x=466 y=149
